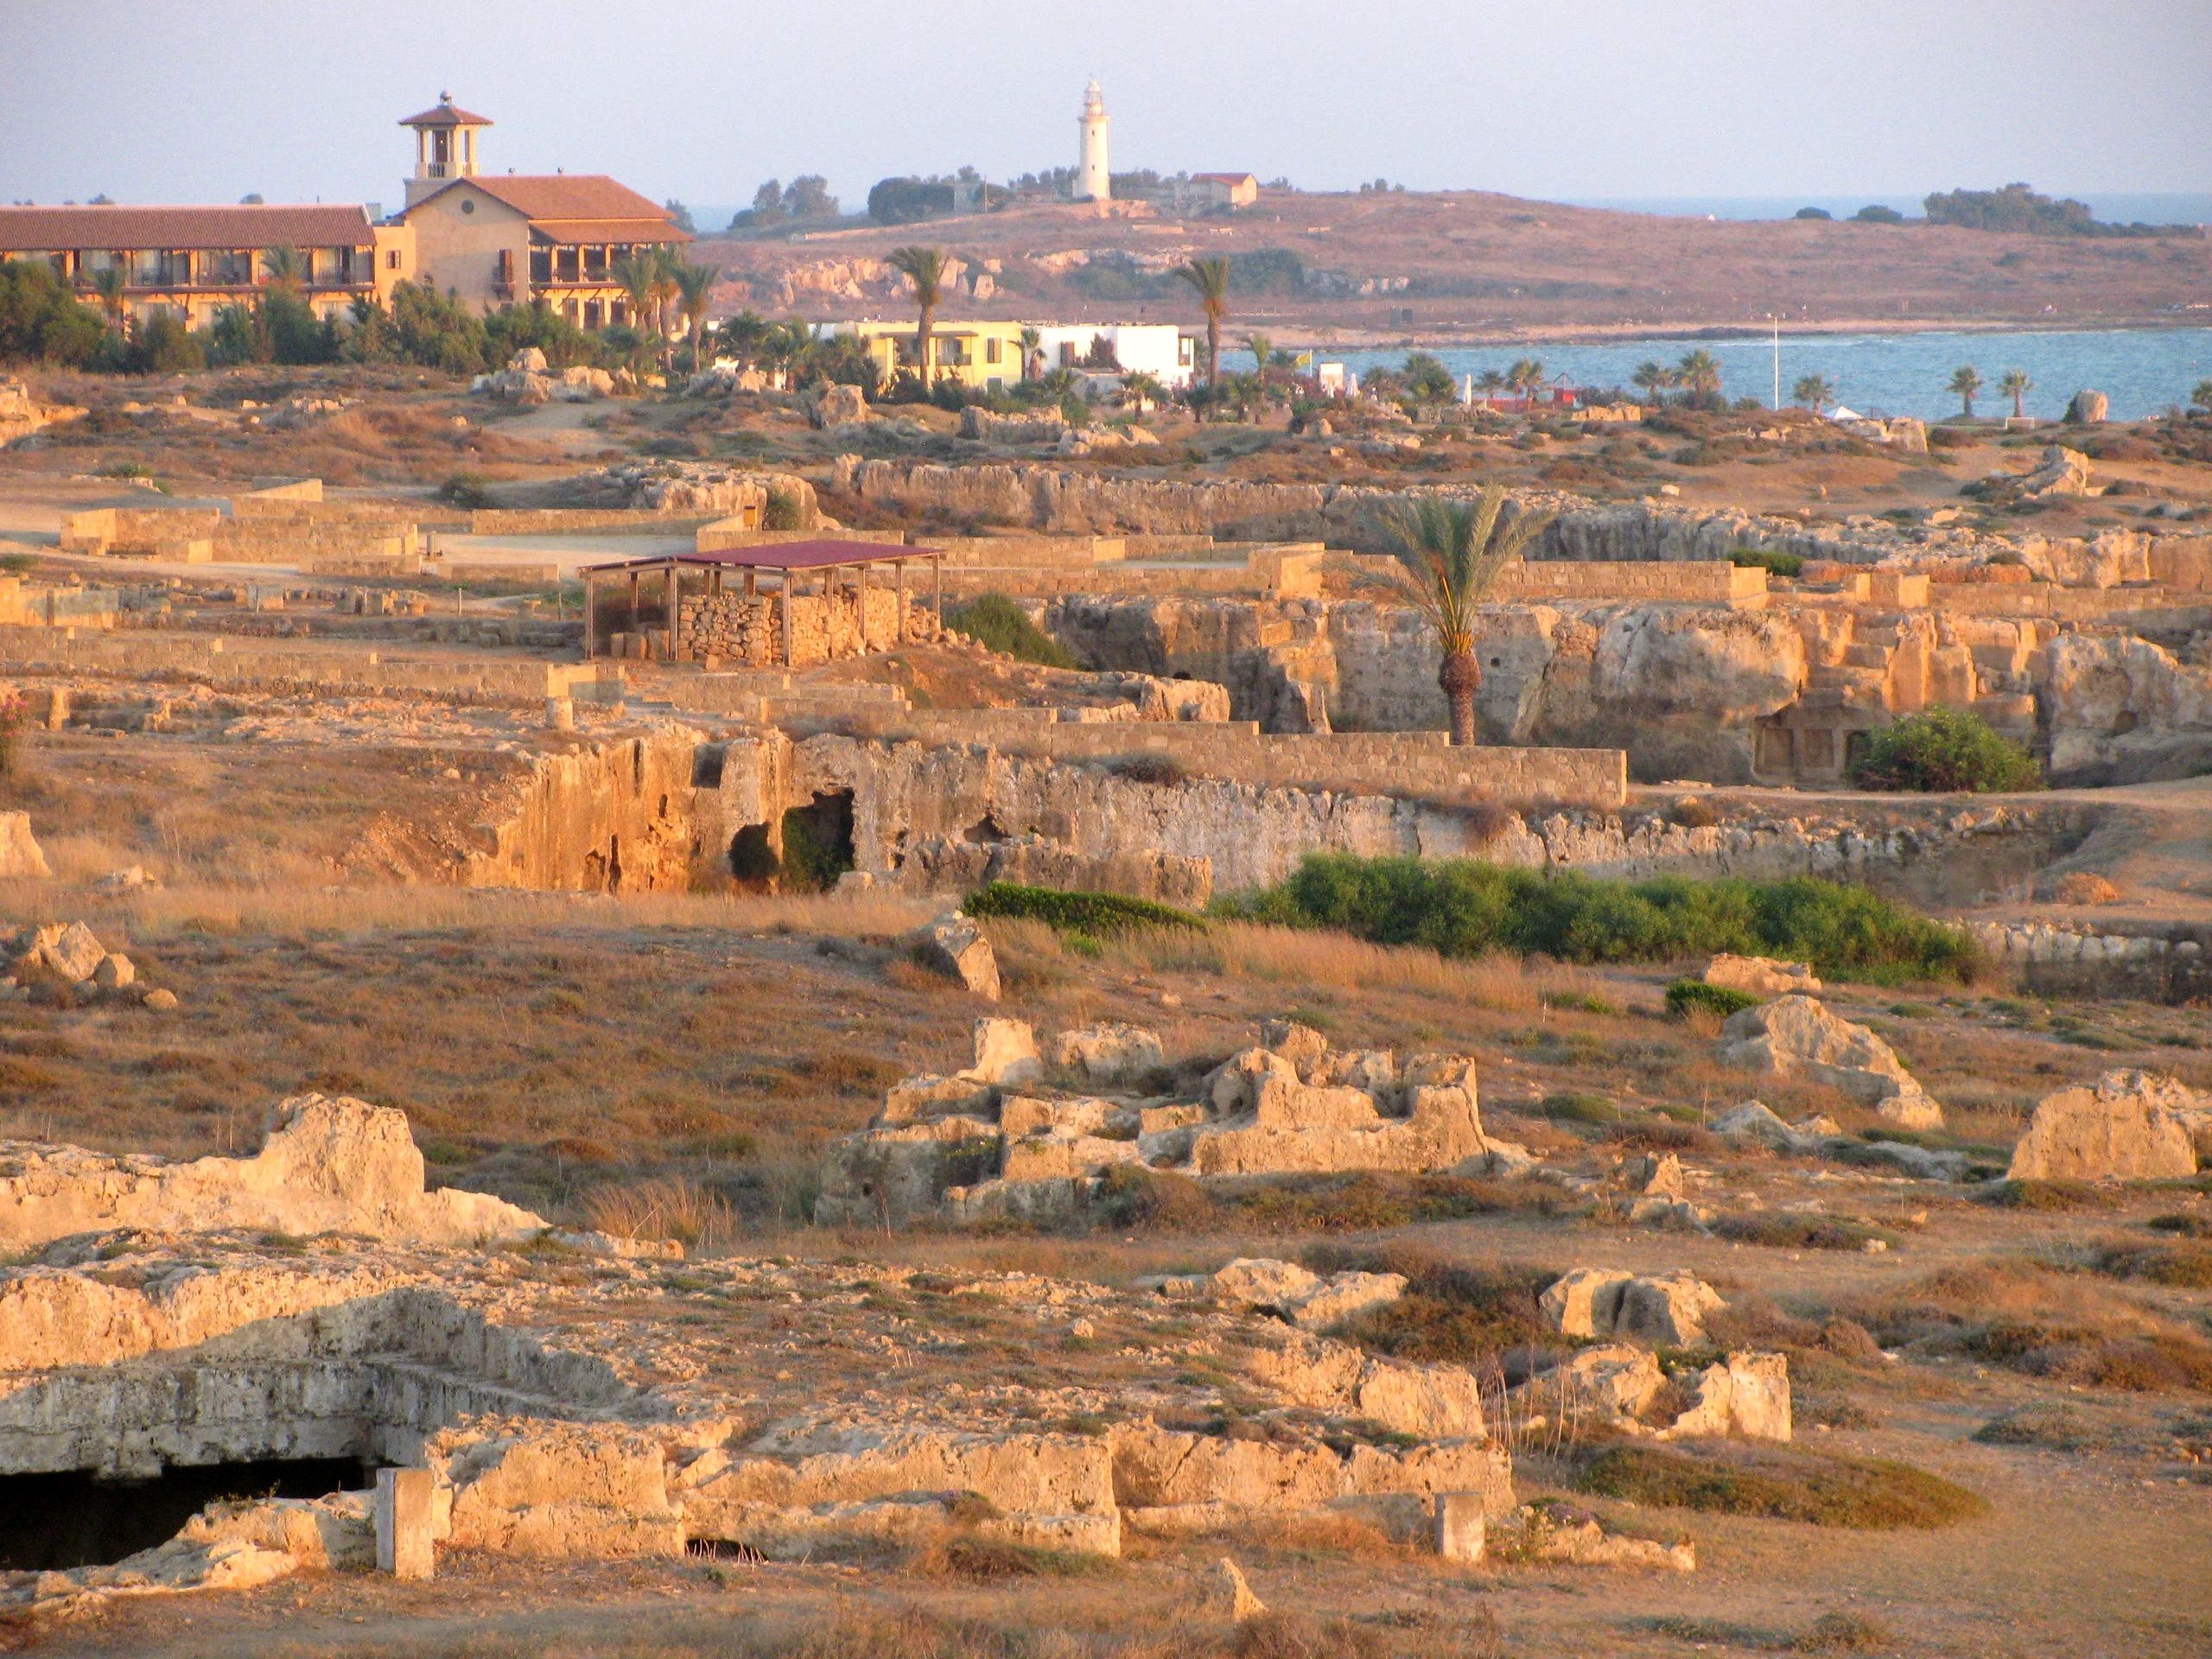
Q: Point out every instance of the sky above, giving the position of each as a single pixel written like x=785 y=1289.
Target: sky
x=204 y=100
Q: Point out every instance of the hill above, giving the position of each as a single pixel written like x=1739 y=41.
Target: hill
x=1471 y=264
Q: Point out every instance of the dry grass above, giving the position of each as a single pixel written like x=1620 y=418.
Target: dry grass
x=1779 y=1483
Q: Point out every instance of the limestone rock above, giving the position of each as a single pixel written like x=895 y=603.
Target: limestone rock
x=2087 y=408
x=1755 y=1121
x=1552 y=1531
x=954 y=946
x=115 y=973
x=20 y=857
x=1005 y=1053
x=1666 y=1309
x=836 y=405
x=326 y=1166
x=70 y=953
x=1746 y=1395
x=1227 y=1595
x=1796 y=1036
x=2130 y=1125
x=161 y=1001
x=1107 y=1053
x=1760 y=976
x=1309 y=1300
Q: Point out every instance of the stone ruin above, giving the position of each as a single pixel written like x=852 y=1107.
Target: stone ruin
x=1023 y=1133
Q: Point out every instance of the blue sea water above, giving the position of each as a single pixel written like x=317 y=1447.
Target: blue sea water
x=2116 y=207
x=2143 y=372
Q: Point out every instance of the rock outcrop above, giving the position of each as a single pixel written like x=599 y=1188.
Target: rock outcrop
x=326 y=1166
x=954 y=946
x=1760 y=976
x=996 y=1141
x=1668 y=1309
x=1796 y=1036
x=1311 y=1301
x=20 y=860
x=2128 y=1125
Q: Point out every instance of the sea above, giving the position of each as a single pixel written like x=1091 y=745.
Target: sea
x=2115 y=206
x=2144 y=371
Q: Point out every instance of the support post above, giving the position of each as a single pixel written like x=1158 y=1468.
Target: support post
x=591 y=617
x=861 y=606
x=675 y=590
x=936 y=583
x=899 y=579
x=787 y=620
x=634 y=601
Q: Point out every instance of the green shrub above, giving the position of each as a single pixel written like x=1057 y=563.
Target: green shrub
x=996 y=621
x=782 y=512
x=1686 y=994
x=1944 y=751
x=1067 y=912
x=1783 y=1484
x=468 y=491
x=1461 y=907
x=1760 y=558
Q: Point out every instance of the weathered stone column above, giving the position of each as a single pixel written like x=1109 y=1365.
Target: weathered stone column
x=403 y=1522
x=1460 y=1533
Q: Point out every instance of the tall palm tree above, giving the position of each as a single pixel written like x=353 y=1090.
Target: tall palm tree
x=1526 y=378
x=1031 y=339
x=743 y=335
x=668 y=289
x=924 y=269
x=694 y=284
x=1652 y=380
x=108 y=283
x=1964 y=385
x=2014 y=383
x=1261 y=348
x=285 y=268
x=1699 y=373
x=1208 y=280
x=1815 y=392
x=636 y=275
x=1450 y=554
x=1489 y=383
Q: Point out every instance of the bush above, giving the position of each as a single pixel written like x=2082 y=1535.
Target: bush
x=1067 y=912
x=1774 y=563
x=1461 y=907
x=782 y=512
x=1866 y=1494
x=1944 y=751
x=469 y=490
x=1685 y=994
x=994 y=621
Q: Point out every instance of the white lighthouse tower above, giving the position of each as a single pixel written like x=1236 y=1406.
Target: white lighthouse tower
x=1093 y=182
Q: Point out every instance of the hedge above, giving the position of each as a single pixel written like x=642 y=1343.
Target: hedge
x=1070 y=912
x=1686 y=994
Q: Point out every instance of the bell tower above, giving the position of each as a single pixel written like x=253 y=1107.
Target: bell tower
x=445 y=147
x=1093 y=182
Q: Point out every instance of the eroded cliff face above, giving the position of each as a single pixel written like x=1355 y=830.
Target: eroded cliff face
x=2119 y=709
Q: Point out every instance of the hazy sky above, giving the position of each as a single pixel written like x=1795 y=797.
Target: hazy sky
x=203 y=100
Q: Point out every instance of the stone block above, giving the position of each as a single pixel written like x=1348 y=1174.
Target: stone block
x=1459 y=1526
x=403 y=1522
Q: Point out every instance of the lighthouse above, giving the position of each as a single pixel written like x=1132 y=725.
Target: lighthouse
x=1092 y=180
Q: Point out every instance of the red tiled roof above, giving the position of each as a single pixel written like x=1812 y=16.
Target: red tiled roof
x=446 y=115
x=570 y=199
x=657 y=229
x=1224 y=178
x=53 y=230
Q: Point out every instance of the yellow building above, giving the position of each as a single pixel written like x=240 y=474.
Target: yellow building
x=985 y=355
x=503 y=239
x=191 y=262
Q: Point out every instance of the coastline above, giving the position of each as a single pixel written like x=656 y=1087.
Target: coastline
x=1291 y=337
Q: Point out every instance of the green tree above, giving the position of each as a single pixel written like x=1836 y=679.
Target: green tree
x=1966 y=381
x=1260 y=345
x=638 y=275
x=923 y=268
x=1450 y=554
x=1944 y=751
x=1489 y=383
x=286 y=268
x=2014 y=383
x=1427 y=380
x=1815 y=392
x=694 y=284
x=1208 y=280
x=1141 y=392
x=109 y=284
x=2200 y=396
x=1031 y=339
x=1652 y=380
x=1699 y=373
x=1526 y=379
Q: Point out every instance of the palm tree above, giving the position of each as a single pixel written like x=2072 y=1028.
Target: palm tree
x=285 y=268
x=1209 y=279
x=693 y=284
x=924 y=269
x=2200 y=397
x=1450 y=554
x=1815 y=392
x=743 y=335
x=668 y=289
x=1489 y=383
x=1031 y=339
x=636 y=275
x=1699 y=373
x=2014 y=383
x=1652 y=380
x=1142 y=392
x=1964 y=384
x=1260 y=347
x=108 y=283
x=1526 y=378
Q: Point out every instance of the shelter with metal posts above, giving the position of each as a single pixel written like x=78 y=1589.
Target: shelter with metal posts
x=714 y=620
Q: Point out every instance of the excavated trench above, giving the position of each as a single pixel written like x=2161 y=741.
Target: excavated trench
x=53 y=1522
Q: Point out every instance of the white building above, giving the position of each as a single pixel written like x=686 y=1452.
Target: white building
x=1093 y=182
x=1158 y=349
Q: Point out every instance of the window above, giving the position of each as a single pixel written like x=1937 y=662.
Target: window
x=392 y=259
x=541 y=266
x=991 y=349
x=467 y=205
